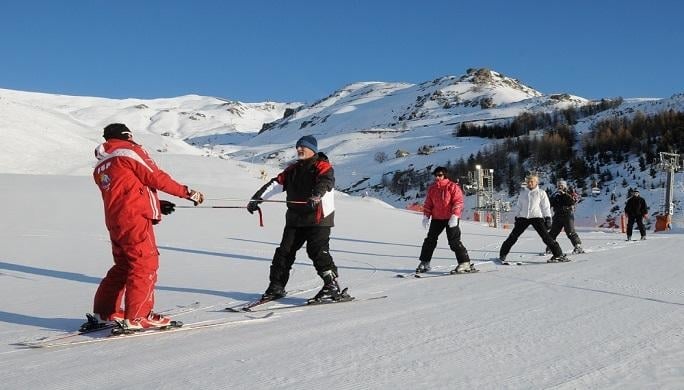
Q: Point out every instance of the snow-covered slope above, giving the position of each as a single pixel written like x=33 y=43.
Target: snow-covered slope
x=53 y=134
x=606 y=320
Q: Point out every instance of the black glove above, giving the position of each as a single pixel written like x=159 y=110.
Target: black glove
x=167 y=207
x=547 y=221
x=253 y=205
x=313 y=202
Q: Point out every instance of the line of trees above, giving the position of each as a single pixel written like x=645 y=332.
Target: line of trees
x=560 y=154
x=526 y=121
x=614 y=139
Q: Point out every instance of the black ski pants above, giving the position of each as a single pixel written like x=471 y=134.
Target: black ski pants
x=640 y=224
x=565 y=222
x=317 y=239
x=437 y=226
x=523 y=223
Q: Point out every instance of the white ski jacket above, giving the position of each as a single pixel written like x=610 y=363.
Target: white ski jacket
x=533 y=204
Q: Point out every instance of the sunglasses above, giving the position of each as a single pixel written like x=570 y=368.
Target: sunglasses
x=439 y=175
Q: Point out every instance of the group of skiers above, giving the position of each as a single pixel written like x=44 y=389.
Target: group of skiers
x=444 y=205
x=129 y=180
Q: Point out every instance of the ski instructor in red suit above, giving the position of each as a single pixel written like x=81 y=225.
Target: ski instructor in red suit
x=129 y=179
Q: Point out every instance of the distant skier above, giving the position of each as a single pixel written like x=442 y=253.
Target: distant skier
x=129 y=179
x=563 y=203
x=636 y=210
x=310 y=180
x=443 y=204
x=533 y=208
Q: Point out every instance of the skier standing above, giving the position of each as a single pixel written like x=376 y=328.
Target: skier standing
x=563 y=204
x=533 y=208
x=442 y=210
x=636 y=211
x=129 y=179
x=310 y=180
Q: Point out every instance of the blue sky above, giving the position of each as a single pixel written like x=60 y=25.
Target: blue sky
x=254 y=50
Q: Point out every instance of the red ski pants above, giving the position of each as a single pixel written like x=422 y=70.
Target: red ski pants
x=136 y=260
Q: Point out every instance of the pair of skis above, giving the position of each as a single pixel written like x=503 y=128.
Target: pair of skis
x=433 y=274
x=63 y=342
x=258 y=305
x=84 y=331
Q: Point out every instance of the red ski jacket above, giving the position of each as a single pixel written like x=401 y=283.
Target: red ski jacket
x=444 y=199
x=129 y=179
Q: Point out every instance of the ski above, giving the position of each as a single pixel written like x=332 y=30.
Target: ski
x=152 y=332
x=320 y=303
x=518 y=263
x=428 y=276
x=121 y=330
x=178 y=310
x=526 y=263
x=247 y=307
x=414 y=273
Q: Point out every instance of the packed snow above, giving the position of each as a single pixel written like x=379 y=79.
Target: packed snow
x=612 y=318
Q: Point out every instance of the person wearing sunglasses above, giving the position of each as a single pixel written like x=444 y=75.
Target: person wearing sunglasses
x=442 y=210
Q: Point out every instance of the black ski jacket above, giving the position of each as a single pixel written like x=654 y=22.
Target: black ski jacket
x=636 y=206
x=302 y=180
x=562 y=203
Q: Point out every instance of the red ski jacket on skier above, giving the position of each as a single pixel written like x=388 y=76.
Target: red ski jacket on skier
x=444 y=199
x=129 y=179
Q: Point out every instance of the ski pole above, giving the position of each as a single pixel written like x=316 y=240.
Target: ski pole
x=261 y=215
x=257 y=200
x=211 y=207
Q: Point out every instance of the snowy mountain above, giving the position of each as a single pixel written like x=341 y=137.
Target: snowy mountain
x=56 y=134
x=359 y=121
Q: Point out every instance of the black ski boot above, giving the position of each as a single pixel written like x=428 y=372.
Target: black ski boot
x=558 y=259
x=424 y=266
x=273 y=292
x=331 y=290
x=464 y=268
x=93 y=324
